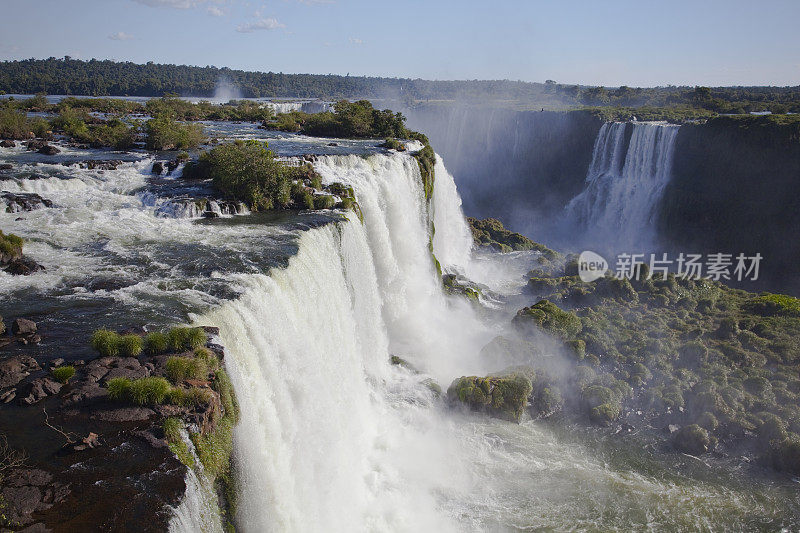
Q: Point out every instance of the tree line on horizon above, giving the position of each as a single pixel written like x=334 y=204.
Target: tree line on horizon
x=70 y=76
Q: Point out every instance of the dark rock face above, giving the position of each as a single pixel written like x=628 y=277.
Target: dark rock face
x=734 y=190
x=48 y=150
x=7 y=144
x=158 y=168
x=28 y=490
x=15 y=369
x=36 y=144
x=519 y=166
x=23 y=266
x=37 y=390
x=23 y=326
x=18 y=202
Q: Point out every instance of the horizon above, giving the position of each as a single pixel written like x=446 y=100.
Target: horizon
x=594 y=45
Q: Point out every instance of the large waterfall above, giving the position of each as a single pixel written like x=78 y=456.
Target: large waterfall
x=631 y=165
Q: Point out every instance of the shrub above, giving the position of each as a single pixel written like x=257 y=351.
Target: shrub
x=106 y=342
x=182 y=368
x=324 y=201
x=196 y=338
x=248 y=172
x=63 y=374
x=691 y=439
x=182 y=338
x=156 y=343
x=118 y=388
x=10 y=247
x=165 y=133
x=130 y=345
x=148 y=391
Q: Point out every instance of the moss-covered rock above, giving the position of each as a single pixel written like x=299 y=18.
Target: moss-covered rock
x=490 y=233
x=549 y=317
x=503 y=397
x=692 y=439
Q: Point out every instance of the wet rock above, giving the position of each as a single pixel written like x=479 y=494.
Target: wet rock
x=30 y=490
x=15 y=369
x=211 y=330
x=210 y=214
x=48 y=150
x=8 y=396
x=57 y=362
x=124 y=414
x=23 y=326
x=29 y=339
x=172 y=165
x=86 y=443
x=99 y=164
x=24 y=266
x=158 y=168
x=7 y=144
x=504 y=397
x=85 y=392
x=6 y=166
x=150 y=439
x=18 y=202
x=36 y=144
x=37 y=390
x=127 y=373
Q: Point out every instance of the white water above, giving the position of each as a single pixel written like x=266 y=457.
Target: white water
x=333 y=438
x=624 y=184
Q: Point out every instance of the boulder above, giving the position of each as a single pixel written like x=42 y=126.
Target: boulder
x=23 y=326
x=36 y=144
x=15 y=369
x=37 y=390
x=503 y=397
x=27 y=491
x=7 y=143
x=48 y=150
x=692 y=439
x=18 y=202
x=158 y=168
x=6 y=166
x=98 y=164
x=23 y=266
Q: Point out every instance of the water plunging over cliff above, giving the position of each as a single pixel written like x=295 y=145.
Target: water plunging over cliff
x=631 y=165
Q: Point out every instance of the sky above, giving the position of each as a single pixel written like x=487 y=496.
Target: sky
x=604 y=42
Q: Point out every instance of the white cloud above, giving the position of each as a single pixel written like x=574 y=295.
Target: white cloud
x=261 y=23
x=120 y=36
x=214 y=11
x=177 y=4
x=353 y=40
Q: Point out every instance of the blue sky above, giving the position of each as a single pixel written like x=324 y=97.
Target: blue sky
x=610 y=42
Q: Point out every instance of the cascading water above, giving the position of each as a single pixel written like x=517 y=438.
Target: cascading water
x=626 y=179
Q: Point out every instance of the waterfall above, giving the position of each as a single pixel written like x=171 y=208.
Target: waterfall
x=626 y=179
x=332 y=436
x=452 y=239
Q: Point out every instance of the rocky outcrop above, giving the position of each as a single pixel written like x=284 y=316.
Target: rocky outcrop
x=490 y=233
x=6 y=143
x=503 y=397
x=19 y=202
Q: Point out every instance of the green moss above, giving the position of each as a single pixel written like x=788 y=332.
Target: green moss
x=767 y=304
x=504 y=397
x=324 y=201
x=10 y=246
x=550 y=318
x=172 y=433
x=63 y=374
x=692 y=439
x=491 y=233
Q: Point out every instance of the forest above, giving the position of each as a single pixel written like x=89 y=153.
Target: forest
x=110 y=78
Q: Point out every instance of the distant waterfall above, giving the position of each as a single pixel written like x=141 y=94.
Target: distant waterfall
x=631 y=165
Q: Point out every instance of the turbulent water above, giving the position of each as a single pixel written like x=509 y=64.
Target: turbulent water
x=625 y=182
x=311 y=307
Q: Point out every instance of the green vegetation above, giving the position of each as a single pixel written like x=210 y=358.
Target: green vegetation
x=182 y=338
x=490 y=233
x=63 y=374
x=106 y=342
x=142 y=391
x=393 y=144
x=550 y=318
x=348 y=120
x=130 y=345
x=166 y=133
x=100 y=78
x=16 y=125
x=504 y=397
x=10 y=247
x=79 y=125
x=156 y=343
x=183 y=368
x=722 y=364
x=172 y=427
